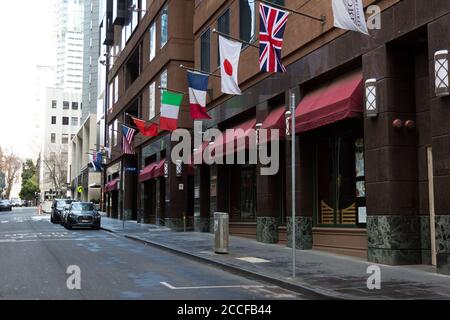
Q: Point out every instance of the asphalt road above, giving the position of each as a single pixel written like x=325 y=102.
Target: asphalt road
x=35 y=256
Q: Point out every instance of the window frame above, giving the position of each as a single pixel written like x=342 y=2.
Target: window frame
x=164 y=36
x=205 y=50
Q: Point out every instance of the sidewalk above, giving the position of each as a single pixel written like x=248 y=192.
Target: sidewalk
x=327 y=275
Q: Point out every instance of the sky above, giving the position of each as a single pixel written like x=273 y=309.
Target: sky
x=26 y=41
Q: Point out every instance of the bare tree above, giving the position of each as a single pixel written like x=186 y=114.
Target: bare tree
x=10 y=165
x=55 y=165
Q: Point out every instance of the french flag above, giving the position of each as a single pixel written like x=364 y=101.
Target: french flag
x=198 y=85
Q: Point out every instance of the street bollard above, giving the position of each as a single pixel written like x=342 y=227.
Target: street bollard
x=184 y=223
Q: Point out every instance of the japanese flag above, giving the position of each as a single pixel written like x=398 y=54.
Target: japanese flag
x=349 y=15
x=230 y=52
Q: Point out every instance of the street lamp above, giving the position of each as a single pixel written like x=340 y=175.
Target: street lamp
x=441 y=73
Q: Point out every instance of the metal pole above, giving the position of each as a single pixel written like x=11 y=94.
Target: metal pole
x=105 y=111
x=294 y=258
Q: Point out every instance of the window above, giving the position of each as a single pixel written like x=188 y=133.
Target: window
x=144 y=8
x=53 y=137
x=223 y=25
x=111 y=94
x=53 y=119
x=152 y=107
x=65 y=121
x=66 y=105
x=116 y=89
x=74 y=105
x=74 y=121
x=205 y=60
x=54 y=104
x=116 y=127
x=110 y=135
x=340 y=197
x=279 y=2
x=65 y=138
x=163 y=82
x=164 y=26
x=152 y=41
x=247 y=20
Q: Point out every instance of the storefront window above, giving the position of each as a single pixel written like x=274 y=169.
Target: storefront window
x=340 y=177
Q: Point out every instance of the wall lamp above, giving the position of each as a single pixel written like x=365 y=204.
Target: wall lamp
x=287 y=116
x=166 y=169
x=371 y=98
x=441 y=73
x=258 y=127
x=179 y=168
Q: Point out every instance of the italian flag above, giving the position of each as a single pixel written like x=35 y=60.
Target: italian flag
x=170 y=108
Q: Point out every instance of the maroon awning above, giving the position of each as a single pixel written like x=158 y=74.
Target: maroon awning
x=147 y=173
x=275 y=120
x=152 y=171
x=338 y=100
x=113 y=185
x=244 y=131
x=158 y=172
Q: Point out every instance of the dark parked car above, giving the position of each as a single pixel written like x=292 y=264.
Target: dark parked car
x=5 y=205
x=58 y=206
x=82 y=215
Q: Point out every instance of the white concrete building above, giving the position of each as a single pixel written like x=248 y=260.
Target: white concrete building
x=81 y=174
x=61 y=123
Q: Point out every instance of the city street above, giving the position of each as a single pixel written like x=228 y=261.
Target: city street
x=36 y=254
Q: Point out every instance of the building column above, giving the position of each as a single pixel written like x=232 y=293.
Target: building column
x=393 y=224
x=177 y=213
x=267 y=198
x=303 y=189
x=439 y=39
x=130 y=188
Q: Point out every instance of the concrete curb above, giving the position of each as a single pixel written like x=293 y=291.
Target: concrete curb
x=320 y=294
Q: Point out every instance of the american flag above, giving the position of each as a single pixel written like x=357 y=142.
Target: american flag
x=127 y=140
x=272 y=24
x=98 y=161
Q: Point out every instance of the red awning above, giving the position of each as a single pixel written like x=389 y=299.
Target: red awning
x=340 y=99
x=275 y=120
x=112 y=185
x=152 y=171
x=147 y=173
x=244 y=132
x=158 y=172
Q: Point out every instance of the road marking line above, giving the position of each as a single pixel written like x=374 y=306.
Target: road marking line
x=214 y=287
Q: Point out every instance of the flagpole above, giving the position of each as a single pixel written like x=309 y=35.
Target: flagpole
x=235 y=39
x=137 y=118
x=322 y=19
x=199 y=71
x=176 y=91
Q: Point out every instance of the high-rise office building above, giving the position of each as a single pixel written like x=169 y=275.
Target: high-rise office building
x=69 y=38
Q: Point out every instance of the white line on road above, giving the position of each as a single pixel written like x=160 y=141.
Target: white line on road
x=213 y=287
x=40 y=240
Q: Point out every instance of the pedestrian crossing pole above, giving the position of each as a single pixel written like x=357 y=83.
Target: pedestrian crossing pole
x=294 y=258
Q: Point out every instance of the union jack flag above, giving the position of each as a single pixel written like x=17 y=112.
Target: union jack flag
x=272 y=24
x=127 y=140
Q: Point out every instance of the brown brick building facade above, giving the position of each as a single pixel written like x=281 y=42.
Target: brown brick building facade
x=362 y=184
